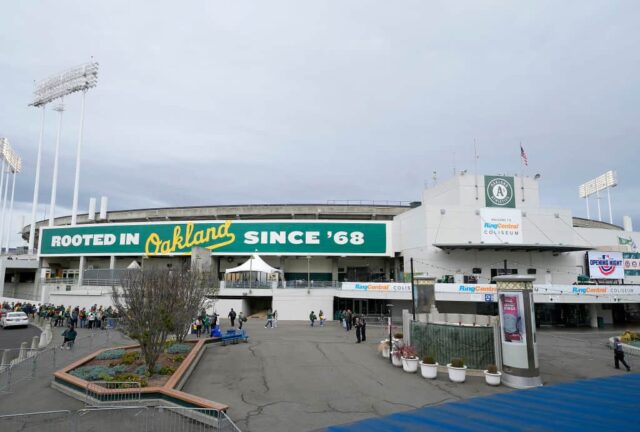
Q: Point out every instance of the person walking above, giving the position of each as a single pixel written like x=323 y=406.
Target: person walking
x=241 y=319
x=206 y=323
x=198 y=325
x=363 y=328
x=269 y=319
x=358 y=327
x=618 y=354
x=321 y=318
x=232 y=317
x=312 y=318
x=349 y=318
x=275 y=318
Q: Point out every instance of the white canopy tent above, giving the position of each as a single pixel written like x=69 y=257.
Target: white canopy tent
x=254 y=270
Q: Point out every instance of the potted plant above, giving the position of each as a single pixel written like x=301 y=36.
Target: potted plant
x=457 y=370
x=492 y=375
x=429 y=367
x=396 y=355
x=383 y=347
x=409 y=359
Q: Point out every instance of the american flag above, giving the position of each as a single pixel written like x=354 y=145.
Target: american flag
x=523 y=155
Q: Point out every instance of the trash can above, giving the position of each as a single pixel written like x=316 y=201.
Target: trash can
x=600 y=322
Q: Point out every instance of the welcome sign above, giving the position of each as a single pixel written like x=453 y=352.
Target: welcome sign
x=221 y=237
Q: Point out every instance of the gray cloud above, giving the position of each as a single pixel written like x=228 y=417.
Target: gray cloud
x=286 y=101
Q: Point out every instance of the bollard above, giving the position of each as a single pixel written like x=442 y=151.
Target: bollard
x=23 y=352
x=35 y=341
x=43 y=341
x=5 y=360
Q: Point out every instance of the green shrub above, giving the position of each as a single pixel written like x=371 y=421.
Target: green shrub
x=118 y=369
x=111 y=354
x=166 y=370
x=130 y=357
x=128 y=377
x=178 y=348
x=428 y=360
x=457 y=362
x=179 y=358
x=142 y=370
x=492 y=369
x=92 y=373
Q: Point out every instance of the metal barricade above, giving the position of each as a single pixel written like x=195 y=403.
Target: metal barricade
x=108 y=393
x=122 y=419
x=36 y=422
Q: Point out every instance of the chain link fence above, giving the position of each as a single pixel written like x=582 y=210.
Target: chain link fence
x=122 y=419
x=475 y=345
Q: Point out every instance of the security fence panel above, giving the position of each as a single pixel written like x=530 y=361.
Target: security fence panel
x=473 y=344
x=36 y=422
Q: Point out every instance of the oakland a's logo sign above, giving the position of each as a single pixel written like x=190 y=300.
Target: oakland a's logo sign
x=499 y=191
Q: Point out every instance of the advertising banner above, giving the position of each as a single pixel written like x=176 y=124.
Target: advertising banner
x=631 y=263
x=220 y=237
x=511 y=317
x=499 y=192
x=377 y=286
x=605 y=265
x=499 y=226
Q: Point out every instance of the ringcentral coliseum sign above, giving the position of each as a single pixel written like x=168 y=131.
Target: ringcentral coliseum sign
x=221 y=237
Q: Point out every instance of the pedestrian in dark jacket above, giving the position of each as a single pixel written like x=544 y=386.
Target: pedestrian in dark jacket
x=312 y=317
x=618 y=354
x=232 y=317
x=358 y=326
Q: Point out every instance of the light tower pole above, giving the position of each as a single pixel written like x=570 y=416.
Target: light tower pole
x=54 y=182
x=81 y=78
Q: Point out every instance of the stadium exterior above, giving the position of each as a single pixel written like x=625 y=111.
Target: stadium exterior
x=329 y=257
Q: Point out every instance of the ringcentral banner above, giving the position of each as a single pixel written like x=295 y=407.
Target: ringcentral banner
x=377 y=286
x=499 y=226
x=221 y=237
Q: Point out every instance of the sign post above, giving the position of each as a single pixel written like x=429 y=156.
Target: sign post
x=520 y=368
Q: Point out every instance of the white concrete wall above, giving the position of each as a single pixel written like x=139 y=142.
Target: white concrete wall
x=297 y=304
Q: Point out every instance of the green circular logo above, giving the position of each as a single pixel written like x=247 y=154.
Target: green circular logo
x=499 y=192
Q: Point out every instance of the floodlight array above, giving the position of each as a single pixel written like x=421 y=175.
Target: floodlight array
x=9 y=155
x=80 y=78
x=598 y=184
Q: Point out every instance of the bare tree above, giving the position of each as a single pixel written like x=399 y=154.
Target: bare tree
x=191 y=287
x=147 y=305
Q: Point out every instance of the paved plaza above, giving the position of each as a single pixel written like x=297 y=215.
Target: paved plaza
x=300 y=378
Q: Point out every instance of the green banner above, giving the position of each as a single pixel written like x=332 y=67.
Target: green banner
x=221 y=237
x=499 y=192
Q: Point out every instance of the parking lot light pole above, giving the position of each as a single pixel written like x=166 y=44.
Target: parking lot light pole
x=390 y=309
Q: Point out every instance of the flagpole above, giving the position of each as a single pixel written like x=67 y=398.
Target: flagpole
x=475 y=161
x=521 y=172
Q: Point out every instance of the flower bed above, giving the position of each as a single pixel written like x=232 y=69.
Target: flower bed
x=127 y=365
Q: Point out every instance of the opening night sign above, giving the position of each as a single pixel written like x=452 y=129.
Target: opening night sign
x=221 y=237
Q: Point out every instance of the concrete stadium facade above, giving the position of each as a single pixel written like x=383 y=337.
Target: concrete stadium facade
x=464 y=232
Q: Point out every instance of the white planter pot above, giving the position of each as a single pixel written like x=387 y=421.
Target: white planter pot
x=396 y=360
x=492 y=379
x=457 y=374
x=410 y=365
x=429 y=371
x=385 y=350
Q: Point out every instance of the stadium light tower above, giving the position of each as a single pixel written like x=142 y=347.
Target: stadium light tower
x=605 y=181
x=13 y=164
x=77 y=79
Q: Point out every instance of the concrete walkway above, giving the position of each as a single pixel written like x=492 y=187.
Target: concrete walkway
x=36 y=394
x=300 y=378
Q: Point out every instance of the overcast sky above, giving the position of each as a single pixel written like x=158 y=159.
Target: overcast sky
x=210 y=102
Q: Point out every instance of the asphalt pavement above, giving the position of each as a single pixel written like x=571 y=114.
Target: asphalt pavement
x=12 y=337
x=298 y=378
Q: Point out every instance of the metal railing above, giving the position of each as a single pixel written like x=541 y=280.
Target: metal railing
x=301 y=284
x=95 y=396
x=247 y=285
x=122 y=419
x=42 y=361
